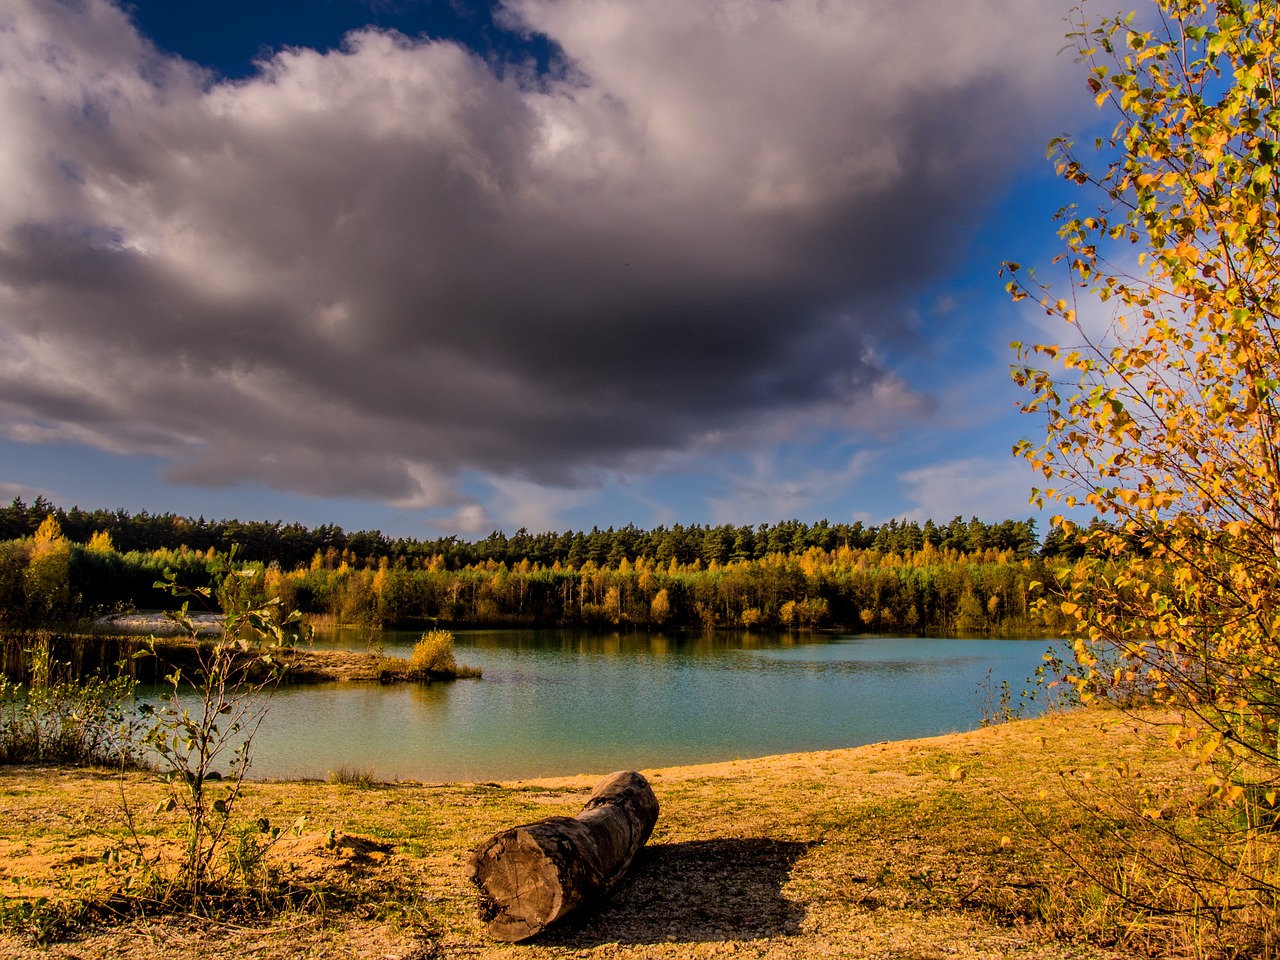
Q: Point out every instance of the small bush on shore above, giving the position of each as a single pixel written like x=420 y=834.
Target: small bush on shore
x=433 y=654
x=432 y=659
x=206 y=720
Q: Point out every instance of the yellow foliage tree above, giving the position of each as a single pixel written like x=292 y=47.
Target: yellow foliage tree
x=100 y=542
x=613 y=605
x=47 y=577
x=1164 y=419
x=660 y=607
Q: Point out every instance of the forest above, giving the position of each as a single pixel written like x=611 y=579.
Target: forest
x=60 y=567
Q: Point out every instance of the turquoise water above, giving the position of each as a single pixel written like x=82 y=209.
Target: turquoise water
x=561 y=702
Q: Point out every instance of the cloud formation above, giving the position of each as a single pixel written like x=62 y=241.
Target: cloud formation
x=365 y=272
x=973 y=486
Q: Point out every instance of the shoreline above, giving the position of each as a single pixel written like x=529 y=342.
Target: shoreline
x=924 y=847
x=305 y=664
x=153 y=623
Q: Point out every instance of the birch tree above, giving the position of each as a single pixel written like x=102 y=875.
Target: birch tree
x=1165 y=422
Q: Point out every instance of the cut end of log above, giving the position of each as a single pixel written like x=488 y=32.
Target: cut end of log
x=532 y=875
x=520 y=888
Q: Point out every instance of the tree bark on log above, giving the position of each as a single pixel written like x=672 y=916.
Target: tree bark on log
x=532 y=875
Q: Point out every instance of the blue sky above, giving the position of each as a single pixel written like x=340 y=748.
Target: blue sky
x=436 y=267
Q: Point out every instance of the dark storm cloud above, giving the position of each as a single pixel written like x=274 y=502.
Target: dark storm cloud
x=362 y=272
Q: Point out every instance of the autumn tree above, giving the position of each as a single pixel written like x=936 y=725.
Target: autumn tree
x=660 y=607
x=100 y=542
x=1162 y=416
x=47 y=582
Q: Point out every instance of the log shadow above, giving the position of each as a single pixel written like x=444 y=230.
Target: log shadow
x=694 y=892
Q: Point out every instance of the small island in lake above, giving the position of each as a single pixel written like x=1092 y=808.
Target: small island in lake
x=432 y=658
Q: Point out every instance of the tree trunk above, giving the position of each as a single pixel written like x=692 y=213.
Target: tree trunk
x=532 y=875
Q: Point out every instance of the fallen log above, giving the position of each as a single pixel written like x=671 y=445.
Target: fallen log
x=532 y=875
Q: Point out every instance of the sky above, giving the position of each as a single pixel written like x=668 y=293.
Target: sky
x=435 y=267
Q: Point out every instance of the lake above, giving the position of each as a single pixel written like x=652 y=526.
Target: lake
x=558 y=702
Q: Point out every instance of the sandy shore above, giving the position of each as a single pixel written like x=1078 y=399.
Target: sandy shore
x=926 y=848
x=156 y=624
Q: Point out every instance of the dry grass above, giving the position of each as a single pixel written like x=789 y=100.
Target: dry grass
x=930 y=848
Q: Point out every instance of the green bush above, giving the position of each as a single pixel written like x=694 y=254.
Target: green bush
x=56 y=720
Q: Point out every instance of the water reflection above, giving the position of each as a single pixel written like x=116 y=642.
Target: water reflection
x=557 y=701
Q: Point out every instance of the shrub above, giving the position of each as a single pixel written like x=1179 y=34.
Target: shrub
x=64 y=722
x=205 y=720
x=433 y=655
x=432 y=659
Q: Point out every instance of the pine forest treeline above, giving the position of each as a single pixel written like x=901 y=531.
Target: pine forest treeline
x=964 y=576
x=292 y=545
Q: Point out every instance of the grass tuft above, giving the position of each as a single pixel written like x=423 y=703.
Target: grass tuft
x=346 y=776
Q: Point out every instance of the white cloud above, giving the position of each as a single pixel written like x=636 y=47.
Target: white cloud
x=976 y=486
x=468 y=520
x=776 y=490
x=11 y=491
x=538 y=508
